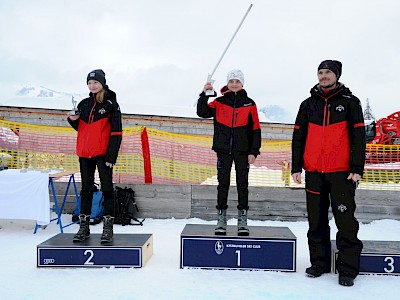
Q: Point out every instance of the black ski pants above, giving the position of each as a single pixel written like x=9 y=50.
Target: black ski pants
x=335 y=190
x=224 y=167
x=87 y=169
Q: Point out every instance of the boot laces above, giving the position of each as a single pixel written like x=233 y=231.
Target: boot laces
x=108 y=226
x=221 y=217
x=243 y=217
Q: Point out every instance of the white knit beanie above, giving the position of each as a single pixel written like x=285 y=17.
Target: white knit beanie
x=235 y=74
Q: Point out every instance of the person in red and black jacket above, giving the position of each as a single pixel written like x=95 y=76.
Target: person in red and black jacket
x=99 y=138
x=329 y=144
x=237 y=138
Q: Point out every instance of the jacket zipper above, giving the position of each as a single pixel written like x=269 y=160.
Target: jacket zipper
x=233 y=123
x=324 y=121
x=91 y=115
x=90 y=119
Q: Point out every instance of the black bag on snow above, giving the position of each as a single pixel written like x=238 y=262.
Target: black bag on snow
x=125 y=207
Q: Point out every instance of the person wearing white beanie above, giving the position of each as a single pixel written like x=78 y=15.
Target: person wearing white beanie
x=235 y=74
x=237 y=138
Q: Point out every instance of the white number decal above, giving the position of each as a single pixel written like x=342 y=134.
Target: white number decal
x=390 y=261
x=91 y=255
x=238 y=257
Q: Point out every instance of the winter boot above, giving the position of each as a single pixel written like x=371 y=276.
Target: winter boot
x=346 y=280
x=316 y=271
x=107 y=236
x=84 y=231
x=243 y=230
x=221 y=225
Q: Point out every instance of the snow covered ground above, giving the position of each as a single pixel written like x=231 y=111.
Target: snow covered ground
x=161 y=277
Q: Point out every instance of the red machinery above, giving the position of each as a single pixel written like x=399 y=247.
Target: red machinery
x=385 y=131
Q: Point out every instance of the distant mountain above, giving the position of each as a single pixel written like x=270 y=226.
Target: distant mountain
x=42 y=97
x=30 y=95
x=277 y=114
x=43 y=92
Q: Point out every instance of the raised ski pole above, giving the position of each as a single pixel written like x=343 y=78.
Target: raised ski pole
x=209 y=77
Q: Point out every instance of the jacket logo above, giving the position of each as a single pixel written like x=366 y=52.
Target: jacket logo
x=247 y=104
x=342 y=208
x=102 y=111
x=340 y=108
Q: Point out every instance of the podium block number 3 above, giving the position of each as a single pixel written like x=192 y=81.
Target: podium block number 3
x=390 y=261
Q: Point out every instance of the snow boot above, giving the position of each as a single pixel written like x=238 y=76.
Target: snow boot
x=221 y=225
x=107 y=236
x=84 y=231
x=243 y=230
x=316 y=271
x=346 y=280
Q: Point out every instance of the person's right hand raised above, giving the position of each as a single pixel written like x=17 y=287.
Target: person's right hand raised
x=207 y=86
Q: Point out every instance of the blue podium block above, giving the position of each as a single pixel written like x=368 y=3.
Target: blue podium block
x=126 y=251
x=266 y=248
x=377 y=257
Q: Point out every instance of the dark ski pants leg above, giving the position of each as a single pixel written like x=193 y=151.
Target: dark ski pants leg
x=224 y=167
x=106 y=175
x=318 y=234
x=242 y=168
x=87 y=169
x=343 y=208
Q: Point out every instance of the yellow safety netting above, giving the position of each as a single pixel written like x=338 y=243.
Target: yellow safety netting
x=152 y=156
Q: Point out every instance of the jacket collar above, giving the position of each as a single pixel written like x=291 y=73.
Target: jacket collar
x=339 y=90
x=227 y=92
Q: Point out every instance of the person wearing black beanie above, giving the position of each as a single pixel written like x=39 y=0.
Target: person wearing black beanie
x=99 y=127
x=97 y=75
x=333 y=65
x=328 y=143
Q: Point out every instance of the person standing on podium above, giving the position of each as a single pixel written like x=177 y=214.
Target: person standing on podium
x=98 y=122
x=329 y=144
x=237 y=138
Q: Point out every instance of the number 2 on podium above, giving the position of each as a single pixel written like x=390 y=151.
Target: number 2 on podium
x=91 y=254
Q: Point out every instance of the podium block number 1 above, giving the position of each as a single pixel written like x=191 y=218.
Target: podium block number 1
x=238 y=257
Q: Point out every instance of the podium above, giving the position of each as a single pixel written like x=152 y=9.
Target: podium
x=126 y=251
x=377 y=257
x=266 y=248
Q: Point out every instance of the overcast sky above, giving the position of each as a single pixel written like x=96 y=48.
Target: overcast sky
x=160 y=52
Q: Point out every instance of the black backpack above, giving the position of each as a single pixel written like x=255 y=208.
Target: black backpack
x=125 y=207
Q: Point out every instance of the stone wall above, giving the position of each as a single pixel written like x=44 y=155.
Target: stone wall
x=277 y=204
x=191 y=126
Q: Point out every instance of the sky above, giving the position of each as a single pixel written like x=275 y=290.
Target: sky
x=160 y=52
x=161 y=277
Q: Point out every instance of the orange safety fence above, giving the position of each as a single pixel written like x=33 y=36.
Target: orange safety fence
x=152 y=156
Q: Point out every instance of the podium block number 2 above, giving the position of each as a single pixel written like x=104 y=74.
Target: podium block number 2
x=90 y=254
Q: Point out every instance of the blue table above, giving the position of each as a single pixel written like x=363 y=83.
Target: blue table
x=57 y=209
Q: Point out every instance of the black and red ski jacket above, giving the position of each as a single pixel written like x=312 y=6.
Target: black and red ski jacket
x=236 y=123
x=329 y=133
x=99 y=127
